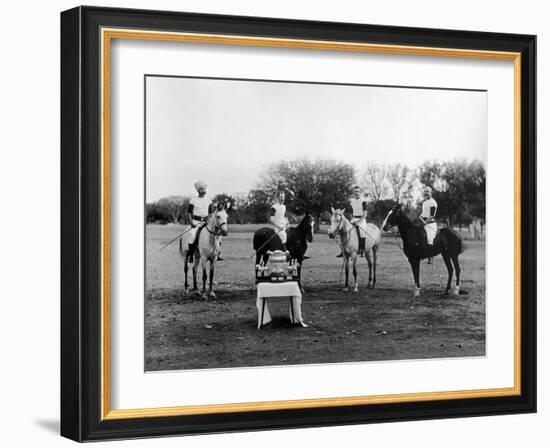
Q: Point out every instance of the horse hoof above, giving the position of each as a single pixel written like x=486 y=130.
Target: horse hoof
x=345 y=289
x=416 y=292
x=212 y=295
x=456 y=290
x=356 y=289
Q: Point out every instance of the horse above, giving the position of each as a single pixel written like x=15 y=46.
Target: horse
x=207 y=248
x=349 y=240
x=265 y=239
x=415 y=246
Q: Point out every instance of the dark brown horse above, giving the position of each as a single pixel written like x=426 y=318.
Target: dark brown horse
x=265 y=240
x=447 y=242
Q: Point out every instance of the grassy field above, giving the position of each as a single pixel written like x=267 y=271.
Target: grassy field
x=186 y=332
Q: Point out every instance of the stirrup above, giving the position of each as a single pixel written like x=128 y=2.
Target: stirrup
x=341 y=255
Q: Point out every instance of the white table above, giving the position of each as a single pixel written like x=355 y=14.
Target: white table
x=283 y=290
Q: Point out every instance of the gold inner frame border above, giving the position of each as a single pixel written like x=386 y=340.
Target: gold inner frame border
x=107 y=35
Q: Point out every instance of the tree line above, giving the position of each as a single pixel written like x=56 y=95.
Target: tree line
x=315 y=185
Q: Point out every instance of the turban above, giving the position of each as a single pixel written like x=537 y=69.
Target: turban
x=199 y=184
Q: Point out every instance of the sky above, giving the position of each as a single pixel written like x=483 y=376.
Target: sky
x=225 y=132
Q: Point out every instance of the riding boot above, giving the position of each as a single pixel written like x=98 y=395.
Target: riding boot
x=340 y=255
x=219 y=258
x=191 y=251
x=361 y=246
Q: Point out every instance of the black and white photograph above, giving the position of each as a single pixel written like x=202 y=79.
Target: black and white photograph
x=296 y=223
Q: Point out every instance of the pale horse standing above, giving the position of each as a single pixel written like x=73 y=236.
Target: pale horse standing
x=349 y=240
x=207 y=248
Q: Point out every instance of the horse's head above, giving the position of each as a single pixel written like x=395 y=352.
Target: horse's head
x=336 y=222
x=392 y=218
x=310 y=227
x=220 y=219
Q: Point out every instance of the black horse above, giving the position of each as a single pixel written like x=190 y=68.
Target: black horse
x=447 y=242
x=266 y=240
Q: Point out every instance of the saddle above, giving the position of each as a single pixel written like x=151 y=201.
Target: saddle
x=200 y=226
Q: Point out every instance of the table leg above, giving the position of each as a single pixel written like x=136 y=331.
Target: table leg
x=291 y=310
x=262 y=314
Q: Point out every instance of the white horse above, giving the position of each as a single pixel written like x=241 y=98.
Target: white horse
x=207 y=248
x=349 y=240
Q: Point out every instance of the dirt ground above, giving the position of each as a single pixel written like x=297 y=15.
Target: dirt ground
x=186 y=332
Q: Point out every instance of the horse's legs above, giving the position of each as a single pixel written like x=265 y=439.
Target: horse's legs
x=374 y=260
x=369 y=261
x=449 y=266
x=355 y=287
x=211 y=279
x=185 y=269
x=457 y=270
x=415 y=265
x=195 y=267
x=346 y=265
x=204 y=277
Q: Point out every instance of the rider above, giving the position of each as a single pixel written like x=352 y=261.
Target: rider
x=429 y=209
x=197 y=212
x=359 y=216
x=278 y=217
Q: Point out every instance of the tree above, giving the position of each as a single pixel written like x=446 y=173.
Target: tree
x=375 y=178
x=459 y=189
x=379 y=210
x=311 y=186
x=154 y=213
x=258 y=205
x=430 y=174
x=400 y=180
x=174 y=206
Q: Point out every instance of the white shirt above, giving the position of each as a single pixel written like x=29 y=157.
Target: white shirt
x=357 y=206
x=200 y=206
x=279 y=216
x=426 y=208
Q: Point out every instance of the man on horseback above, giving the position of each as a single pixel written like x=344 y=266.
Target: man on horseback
x=359 y=217
x=197 y=212
x=278 y=218
x=429 y=209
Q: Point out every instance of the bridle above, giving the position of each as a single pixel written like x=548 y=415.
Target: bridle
x=340 y=229
x=217 y=228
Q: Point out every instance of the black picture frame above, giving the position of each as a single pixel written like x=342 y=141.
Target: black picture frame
x=81 y=381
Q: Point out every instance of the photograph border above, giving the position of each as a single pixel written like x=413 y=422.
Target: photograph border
x=86 y=37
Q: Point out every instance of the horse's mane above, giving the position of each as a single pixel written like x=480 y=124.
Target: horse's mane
x=406 y=221
x=301 y=226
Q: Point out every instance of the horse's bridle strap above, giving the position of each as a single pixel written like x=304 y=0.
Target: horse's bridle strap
x=215 y=233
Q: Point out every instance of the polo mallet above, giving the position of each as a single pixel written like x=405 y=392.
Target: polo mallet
x=176 y=238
